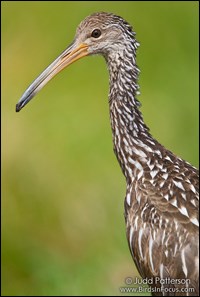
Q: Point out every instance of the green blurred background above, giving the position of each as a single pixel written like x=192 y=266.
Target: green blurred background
x=63 y=230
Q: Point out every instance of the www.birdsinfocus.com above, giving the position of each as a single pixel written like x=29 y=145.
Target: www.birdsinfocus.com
x=161 y=204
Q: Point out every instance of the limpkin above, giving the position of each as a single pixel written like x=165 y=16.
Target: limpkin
x=161 y=203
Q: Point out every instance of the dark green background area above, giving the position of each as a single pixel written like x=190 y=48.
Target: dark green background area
x=63 y=230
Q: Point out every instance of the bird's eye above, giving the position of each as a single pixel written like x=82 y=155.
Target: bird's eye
x=96 y=33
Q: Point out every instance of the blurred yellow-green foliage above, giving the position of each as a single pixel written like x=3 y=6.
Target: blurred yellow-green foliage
x=63 y=230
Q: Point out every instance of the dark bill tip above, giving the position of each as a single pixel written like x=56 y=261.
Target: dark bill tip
x=18 y=107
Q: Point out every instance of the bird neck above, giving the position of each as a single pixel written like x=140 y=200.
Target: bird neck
x=133 y=144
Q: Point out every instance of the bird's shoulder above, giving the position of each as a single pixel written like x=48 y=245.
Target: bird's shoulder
x=170 y=189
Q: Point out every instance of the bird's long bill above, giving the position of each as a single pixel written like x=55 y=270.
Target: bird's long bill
x=70 y=55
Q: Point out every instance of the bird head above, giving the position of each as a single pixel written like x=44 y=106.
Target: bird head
x=104 y=33
x=100 y=33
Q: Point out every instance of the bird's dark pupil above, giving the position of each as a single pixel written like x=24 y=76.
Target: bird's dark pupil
x=96 y=33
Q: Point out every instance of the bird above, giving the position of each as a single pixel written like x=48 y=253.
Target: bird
x=161 y=201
